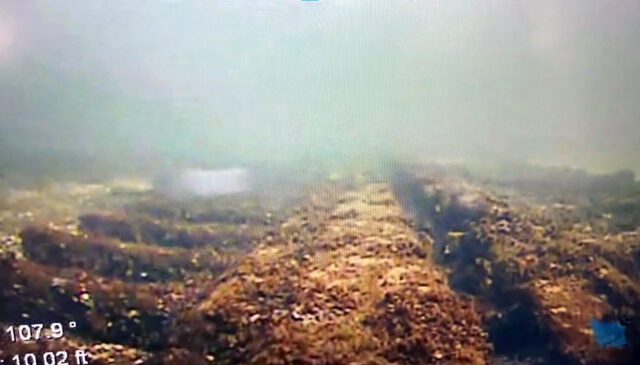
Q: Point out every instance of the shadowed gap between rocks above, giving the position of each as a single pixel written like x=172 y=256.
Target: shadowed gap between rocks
x=516 y=329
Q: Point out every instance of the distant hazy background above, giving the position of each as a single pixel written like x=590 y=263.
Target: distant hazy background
x=131 y=83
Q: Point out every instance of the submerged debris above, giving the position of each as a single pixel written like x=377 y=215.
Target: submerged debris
x=117 y=259
x=355 y=292
x=537 y=266
x=344 y=276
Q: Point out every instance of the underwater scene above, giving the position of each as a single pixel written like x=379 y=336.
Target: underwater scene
x=319 y=182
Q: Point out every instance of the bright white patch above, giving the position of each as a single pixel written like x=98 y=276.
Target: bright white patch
x=206 y=182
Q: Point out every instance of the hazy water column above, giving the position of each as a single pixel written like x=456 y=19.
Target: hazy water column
x=235 y=82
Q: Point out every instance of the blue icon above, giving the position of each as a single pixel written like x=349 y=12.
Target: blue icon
x=609 y=334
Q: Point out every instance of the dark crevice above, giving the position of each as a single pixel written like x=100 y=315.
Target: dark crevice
x=514 y=326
